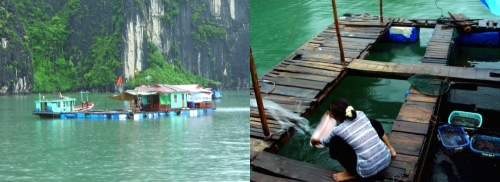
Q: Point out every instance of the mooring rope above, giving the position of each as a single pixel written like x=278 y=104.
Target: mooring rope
x=268 y=81
x=393 y=177
x=99 y=100
x=435 y=2
x=293 y=27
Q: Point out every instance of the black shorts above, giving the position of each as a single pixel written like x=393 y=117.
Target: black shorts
x=343 y=152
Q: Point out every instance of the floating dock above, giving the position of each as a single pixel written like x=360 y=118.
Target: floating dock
x=117 y=114
x=303 y=80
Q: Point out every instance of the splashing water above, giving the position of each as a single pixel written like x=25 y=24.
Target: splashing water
x=285 y=117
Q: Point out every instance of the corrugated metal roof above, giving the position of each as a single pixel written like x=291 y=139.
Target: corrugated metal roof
x=158 y=88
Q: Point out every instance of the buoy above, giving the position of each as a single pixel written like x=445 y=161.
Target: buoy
x=467 y=28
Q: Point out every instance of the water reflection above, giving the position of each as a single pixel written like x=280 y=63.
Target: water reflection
x=158 y=149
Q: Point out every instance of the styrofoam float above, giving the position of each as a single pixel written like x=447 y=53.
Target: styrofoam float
x=323 y=129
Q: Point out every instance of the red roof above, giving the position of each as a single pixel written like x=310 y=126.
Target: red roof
x=161 y=88
x=193 y=88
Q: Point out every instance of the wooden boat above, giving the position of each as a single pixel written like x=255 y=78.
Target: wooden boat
x=54 y=107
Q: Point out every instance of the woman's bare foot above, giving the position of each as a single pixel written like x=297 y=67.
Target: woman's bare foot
x=343 y=176
x=393 y=152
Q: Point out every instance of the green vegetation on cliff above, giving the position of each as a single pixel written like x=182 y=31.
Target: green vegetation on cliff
x=78 y=45
x=160 y=71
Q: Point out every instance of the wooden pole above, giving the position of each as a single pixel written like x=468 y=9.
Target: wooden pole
x=338 y=31
x=258 y=97
x=106 y=105
x=381 y=14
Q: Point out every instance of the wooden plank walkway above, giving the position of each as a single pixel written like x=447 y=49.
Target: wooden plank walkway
x=405 y=70
x=413 y=22
x=408 y=135
x=439 y=45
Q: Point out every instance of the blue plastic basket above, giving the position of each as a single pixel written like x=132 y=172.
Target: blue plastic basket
x=453 y=138
x=466 y=119
x=487 y=146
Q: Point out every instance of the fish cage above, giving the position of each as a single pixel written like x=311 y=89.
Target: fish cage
x=475 y=162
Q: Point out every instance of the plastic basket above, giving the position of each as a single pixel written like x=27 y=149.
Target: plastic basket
x=466 y=119
x=487 y=146
x=453 y=138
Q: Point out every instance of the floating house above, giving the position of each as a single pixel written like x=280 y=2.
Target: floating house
x=160 y=97
x=167 y=99
x=198 y=97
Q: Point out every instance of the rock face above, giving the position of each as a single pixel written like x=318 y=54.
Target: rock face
x=16 y=70
x=209 y=37
x=224 y=57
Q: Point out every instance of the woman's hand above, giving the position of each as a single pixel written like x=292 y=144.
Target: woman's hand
x=315 y=141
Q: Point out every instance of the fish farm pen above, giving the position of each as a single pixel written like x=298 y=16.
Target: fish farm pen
x=304 y=79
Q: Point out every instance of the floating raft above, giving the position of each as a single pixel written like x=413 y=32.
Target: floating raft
x=304 y=79
x=124 y=114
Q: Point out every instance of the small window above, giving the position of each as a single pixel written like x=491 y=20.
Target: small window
x=175 y=98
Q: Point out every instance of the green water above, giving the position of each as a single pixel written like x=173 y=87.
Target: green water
x=204 y=148
x=280 y=27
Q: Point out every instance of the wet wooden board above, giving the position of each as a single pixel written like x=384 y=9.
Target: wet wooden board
x=291 y=168
x=299 y=83
x=289 y=91
x=333 y=60
x=258 y=177
x=406 y=143
x=304 y=70
x=294 y=106
x=421 y=98
x=260 y=135
x=398 y=166
x=345 y=40
x=316 y=65
x=419 y=112
x=303 y=76
x=284 y=99
x=410 y=127
x=407 y=70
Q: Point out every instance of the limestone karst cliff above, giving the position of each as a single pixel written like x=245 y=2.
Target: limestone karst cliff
x=16 y=70
x=70 y=45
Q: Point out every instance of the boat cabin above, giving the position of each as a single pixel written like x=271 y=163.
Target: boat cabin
x=55 y=105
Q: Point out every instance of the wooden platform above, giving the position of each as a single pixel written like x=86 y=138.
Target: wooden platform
x=304 y=79
x=305 y=76
x=414 y=22
x=438 y=48
x=405 y=70
x=408 y=135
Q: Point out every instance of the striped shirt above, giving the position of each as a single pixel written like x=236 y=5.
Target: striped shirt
x=372 y=153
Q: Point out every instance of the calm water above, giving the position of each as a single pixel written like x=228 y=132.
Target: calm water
x=204 y=148
x=279 y=28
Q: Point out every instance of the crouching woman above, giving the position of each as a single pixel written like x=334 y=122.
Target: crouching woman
x=360 y=145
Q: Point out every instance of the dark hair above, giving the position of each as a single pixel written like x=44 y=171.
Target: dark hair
x=337 y=109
